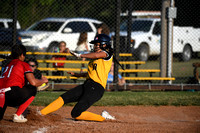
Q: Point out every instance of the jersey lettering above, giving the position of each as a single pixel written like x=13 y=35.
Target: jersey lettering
x=94 y=66
x=4 y=72
x=8 y=72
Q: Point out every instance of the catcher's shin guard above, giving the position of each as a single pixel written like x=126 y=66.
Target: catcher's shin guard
x=88 y=116
x=55 y=105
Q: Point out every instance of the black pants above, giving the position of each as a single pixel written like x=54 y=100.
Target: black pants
x=86 y=95
x=17 y=96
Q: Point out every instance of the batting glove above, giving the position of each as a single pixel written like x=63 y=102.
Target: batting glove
x=75 y=54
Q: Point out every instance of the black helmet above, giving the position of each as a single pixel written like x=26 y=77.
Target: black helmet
x=102 y=39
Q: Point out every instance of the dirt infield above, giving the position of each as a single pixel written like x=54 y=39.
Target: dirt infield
x=130 y=119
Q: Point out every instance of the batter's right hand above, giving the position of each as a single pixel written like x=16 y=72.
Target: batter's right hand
x=75 y=54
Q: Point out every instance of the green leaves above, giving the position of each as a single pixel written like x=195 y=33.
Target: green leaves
x=46 y=2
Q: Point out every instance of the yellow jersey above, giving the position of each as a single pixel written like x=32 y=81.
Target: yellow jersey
x=98 y=69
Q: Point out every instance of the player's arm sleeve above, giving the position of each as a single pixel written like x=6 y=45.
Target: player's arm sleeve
x=27 y=68
x=109 y=55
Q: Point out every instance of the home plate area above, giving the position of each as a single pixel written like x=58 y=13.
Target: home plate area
x=129 y=119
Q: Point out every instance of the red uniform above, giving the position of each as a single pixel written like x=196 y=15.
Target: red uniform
x=14 y=74
x=13 y=91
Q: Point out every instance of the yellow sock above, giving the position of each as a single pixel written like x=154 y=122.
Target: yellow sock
x=55 y=105
x=88 y=116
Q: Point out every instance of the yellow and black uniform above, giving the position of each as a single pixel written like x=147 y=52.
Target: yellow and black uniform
x=88 y=93
x=98 y=69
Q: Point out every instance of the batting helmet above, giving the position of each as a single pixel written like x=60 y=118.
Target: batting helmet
x=102 y=39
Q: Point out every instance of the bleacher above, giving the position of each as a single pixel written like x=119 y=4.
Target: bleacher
x=48 y=69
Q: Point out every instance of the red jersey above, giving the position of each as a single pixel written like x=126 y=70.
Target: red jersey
x=59 y=64
x=14 y=73
x=59 y=57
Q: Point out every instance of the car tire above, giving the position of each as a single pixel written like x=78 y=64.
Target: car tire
x=187 y=53
x=142 y=53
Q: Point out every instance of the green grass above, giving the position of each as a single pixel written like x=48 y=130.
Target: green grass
x=176 y=98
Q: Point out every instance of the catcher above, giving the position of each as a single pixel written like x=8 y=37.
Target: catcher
x=13 y=91
x=93 y=88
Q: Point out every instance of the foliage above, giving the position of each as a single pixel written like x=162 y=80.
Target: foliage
x=30 y=11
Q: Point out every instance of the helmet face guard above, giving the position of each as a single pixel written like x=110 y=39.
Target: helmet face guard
x=102 y=39
x=105 y=39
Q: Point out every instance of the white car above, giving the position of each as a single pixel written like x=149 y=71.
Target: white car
x=45 y=34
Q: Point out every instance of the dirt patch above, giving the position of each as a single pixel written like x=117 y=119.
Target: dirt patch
x=137 y=119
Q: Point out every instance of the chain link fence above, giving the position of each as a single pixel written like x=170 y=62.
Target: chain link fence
x=42 y=24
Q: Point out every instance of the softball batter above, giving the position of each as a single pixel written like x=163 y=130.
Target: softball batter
x=93 y=88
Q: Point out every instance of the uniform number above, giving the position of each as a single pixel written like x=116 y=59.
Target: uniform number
x=10 y=70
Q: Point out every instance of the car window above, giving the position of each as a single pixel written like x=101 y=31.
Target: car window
x=157 y=28
x=1 y=25
x=142 y=25
x=123 y=26
x=10 y=24
x=46 y=26
x=137 y=25
x=78 y=27
x=96 y=25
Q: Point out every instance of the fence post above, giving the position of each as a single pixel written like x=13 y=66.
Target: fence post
x=171 y=14
x=129 y=29
x=14 y=21
x=163 y=47
x=116 y=42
